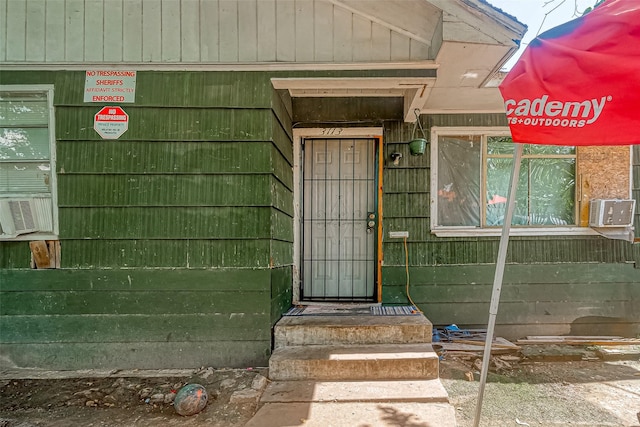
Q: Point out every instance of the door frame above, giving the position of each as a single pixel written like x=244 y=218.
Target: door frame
x=335 y=133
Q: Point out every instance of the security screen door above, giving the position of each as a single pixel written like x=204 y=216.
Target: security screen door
x=339 y=220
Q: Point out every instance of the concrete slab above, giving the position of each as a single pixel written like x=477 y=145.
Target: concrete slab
x=329 y=414
x=354 y=362
x=361 y=329
x=356 y=391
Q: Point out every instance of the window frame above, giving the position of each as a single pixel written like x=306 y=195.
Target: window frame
x=49 y=90
x=463 y=231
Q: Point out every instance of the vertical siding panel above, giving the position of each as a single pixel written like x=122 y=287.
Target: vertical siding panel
x=228 y=22
x=418 y=51
x=343 y=32
x=381 y=43
x=190 y=23
x=266 y=30
x=132 y=31
x=113 y=34
x=304 y=30
x=74 y=31
x=209 y=41
x=399 y=46
x=94 y=30
x=285 y=28
x=35 y=30
x=361 y=39
x=16 y=37
x=248 y=31
x=151 y=30
x=170 y=30
x=3 y=30
x=54 y=25
x=323 y=31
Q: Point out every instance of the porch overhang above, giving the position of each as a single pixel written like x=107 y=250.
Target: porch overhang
x=414 y=90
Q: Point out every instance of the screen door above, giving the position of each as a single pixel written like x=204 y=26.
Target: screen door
x=339 y=219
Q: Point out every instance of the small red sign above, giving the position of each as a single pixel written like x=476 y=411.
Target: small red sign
x=111 y=122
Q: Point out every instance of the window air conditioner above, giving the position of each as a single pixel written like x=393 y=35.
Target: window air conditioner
x=611 y=213
x=18 y=216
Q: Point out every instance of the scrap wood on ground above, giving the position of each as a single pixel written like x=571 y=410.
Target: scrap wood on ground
x=453 y=340
x=578 y=340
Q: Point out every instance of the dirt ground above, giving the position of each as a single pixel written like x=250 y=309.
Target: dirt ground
x=130 y=401
x=519 y=393
x=590 y=393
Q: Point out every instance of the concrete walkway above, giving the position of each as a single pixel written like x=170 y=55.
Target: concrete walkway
x=355 y=403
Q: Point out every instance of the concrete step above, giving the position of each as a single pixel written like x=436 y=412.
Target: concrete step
x=354 y=362
x=327 y=330
x=426 y=391
x=350 y=414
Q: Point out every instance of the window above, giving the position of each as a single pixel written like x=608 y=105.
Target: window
x=471 y=173
x=27 y=164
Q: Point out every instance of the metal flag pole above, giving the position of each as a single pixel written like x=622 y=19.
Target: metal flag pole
x=497 y=280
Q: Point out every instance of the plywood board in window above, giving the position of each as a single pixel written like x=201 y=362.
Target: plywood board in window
x=603 y=173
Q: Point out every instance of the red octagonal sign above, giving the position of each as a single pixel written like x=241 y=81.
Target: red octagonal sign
x=111 y=122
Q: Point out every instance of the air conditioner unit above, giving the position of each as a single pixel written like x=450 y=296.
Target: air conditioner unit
x=18 y=216
x=611 y=212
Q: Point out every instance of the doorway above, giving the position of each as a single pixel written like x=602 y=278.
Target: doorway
x=339 y=219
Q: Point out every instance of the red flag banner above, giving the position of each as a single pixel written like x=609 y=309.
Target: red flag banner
x=579 y=83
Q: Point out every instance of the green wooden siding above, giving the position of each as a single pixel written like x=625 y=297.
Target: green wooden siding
x=53 y=312
x=176 y=238
x=544 y=299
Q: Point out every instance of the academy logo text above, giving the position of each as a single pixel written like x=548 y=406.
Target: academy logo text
x=542 y=112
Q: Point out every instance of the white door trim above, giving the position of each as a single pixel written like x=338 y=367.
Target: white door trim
x=298 y=136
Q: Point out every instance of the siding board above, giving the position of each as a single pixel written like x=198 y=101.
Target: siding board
x=106 y=253
x=149 y=302
x=171 y=31
x=156 y=355
x=247 y=22
x=134 y=328
x=165 y=223
x=166 y=124
x=362 y=39
x=304 y=23
x=343 y=34
x=195 y=190
x=151 y=17
x=74 y=30
x=3 y=30
x=35 y=37
x=266 y=30
x=170 y=157
x=132 y=30
x=55 y=32
x=209 y=40
x=323 y=31
x=229 y=31
x=94 y=36
x=190 y=46
x=134 y=280
x=16 y=30
x=114 y=34
x=285 y=31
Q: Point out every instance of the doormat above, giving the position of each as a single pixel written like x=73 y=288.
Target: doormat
x=320 y=310
x=408 y=310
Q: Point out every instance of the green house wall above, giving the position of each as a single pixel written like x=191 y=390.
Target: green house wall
x=552 y=285
x=176 y=238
